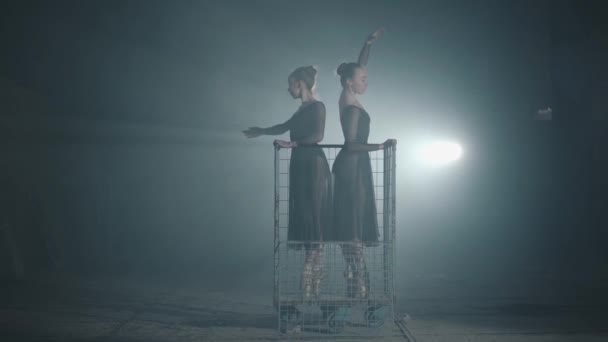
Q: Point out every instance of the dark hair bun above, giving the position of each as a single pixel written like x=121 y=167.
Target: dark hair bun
x=342 y=69
x=311 y=70
x=307 y=74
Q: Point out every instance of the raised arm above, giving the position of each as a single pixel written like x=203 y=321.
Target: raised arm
x=364 y=54
x=318 y=124
x=350 y=126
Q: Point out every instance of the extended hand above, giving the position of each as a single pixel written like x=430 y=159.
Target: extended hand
x=387 y=143
x=374 y=36
x=253 y=132
x=390 y=142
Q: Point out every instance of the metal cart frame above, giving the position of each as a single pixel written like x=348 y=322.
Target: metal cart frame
x=301 y=316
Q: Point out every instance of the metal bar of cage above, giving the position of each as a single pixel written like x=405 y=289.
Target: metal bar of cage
x=386 y=213
x=336 y=311
x=276 y=228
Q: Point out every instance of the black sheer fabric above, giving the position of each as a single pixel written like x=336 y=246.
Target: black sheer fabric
x=355 y=216
x=309 y=177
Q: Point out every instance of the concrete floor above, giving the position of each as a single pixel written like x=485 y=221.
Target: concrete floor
x=141 y=309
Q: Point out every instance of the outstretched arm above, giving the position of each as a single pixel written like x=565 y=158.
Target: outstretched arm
x=364 y=54
x=276 y=129
x=253 y=132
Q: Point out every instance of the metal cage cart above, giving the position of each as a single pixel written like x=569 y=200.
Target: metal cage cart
x=334 y=309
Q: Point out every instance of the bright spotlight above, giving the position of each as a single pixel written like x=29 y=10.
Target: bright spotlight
x=438 y=153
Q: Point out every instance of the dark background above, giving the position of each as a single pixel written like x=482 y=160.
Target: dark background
x=121 y=150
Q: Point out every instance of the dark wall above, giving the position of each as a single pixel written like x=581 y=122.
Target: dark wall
x=139 y=166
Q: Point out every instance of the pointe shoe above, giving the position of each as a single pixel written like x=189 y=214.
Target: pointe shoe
x=349 y=277
x=363 y=286
x=362 y=294
x=357 y=286
x=307 y=292
x=316 y=284
x=307 y=282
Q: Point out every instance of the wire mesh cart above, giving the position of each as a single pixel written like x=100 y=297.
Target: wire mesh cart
x=337 y=305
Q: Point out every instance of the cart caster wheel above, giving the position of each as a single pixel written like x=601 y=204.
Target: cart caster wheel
x=337 y=319
x=327 y=309
x=290 y=328
x=374 y=316
x=290 y=315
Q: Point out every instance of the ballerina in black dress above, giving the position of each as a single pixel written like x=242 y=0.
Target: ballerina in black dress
x=309 y=175
x=355 y=215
